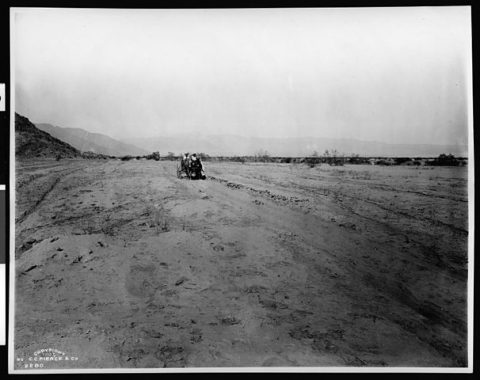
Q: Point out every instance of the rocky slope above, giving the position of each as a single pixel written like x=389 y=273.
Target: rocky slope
x=31 y=142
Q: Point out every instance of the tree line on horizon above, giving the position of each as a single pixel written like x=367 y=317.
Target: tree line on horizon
x=331 y=157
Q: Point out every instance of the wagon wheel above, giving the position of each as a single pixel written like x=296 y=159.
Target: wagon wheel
x=179 y=171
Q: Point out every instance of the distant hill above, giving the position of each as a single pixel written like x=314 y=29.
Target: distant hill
x=92 y=142
x=229 y=145
x=31 y=142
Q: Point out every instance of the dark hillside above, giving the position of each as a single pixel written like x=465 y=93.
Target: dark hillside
x=31 y=142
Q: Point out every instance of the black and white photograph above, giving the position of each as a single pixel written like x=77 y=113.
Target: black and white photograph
x=250 y=189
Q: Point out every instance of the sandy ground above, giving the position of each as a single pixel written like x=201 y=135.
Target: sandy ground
x=121 y=264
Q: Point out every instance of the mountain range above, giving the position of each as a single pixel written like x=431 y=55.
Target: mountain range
x=226 y=145
x=229 y=145
x=92 y=142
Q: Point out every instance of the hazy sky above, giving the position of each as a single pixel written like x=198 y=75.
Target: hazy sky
x=384 y=74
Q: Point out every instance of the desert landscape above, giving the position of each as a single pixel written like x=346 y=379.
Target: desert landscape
x=122 y=264
x=216 y=189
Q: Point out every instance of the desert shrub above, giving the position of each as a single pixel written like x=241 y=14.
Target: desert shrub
x=94 y=156
x=126 y=158
x=154 y=156
x=238 y=159
x=355 y=159
x=401 y=160
x=445 y=160
x=312 y=161
x=262 y=156
x=333 y=158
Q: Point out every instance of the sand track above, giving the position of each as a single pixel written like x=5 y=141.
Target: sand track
x=124 y=265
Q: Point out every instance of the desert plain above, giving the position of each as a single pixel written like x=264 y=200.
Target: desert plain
x=120 y=264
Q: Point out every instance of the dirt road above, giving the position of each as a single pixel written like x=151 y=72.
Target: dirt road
x=121 y=264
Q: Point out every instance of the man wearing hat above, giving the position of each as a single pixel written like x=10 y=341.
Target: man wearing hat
x=196 y=166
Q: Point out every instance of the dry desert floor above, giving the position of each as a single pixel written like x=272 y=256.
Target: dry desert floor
x=122 y=264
